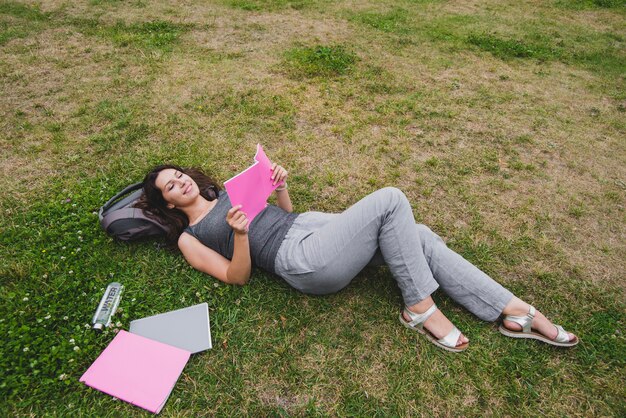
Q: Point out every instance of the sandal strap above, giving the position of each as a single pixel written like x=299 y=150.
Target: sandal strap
x=561 y=336
x=525 y=321
x=417 y=320
x=451 y=339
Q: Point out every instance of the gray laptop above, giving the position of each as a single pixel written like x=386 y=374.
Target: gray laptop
x=186 y=328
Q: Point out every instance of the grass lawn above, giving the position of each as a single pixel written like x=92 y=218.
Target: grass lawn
x=503 y=121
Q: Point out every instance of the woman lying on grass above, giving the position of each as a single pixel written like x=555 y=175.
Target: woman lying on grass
x=320 y=253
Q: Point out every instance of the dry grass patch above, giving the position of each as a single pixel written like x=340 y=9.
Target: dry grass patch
x=553 y=150
x=38 y=104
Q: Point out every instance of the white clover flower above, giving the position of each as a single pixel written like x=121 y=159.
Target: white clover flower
x=79 y=232
x=25 y=349
x=25 y=299
x=216 y=284
x=64 y=247
x=47 y=316
x=197 y=294
x=78 y=250
x=45 y=275
x=72 y=341
x=71 y=272
x=62 y=257
x=76 y=348
x=65 y=318
x=63 y=376
x=87 y=326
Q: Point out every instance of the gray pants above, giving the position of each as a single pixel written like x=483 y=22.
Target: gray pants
x=323 y=252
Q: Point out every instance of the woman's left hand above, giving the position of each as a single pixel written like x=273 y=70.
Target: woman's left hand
x=279 y=174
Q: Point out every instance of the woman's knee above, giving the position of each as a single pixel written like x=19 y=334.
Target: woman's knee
x=394 y=196
x=393 y=192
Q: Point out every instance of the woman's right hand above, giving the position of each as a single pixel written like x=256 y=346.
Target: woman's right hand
x=237 y=220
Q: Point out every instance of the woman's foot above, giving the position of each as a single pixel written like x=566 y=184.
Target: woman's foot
x=437 y=324
x=540 y=325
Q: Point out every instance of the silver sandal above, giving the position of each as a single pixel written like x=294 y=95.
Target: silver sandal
x=526 y=321
x=417 y=324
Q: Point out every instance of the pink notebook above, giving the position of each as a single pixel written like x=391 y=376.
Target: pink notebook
x=253 y=186
x=137 y=370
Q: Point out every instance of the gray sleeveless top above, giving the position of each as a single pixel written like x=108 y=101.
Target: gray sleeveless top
x=266 y=232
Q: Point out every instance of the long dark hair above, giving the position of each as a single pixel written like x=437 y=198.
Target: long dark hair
x=154 y=205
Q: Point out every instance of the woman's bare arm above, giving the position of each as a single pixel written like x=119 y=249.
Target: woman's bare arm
x=283 y=200
x=204 y=259
x=282 y=195
x=201 y=257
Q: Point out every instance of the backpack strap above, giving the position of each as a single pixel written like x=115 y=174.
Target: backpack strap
x=112 y=200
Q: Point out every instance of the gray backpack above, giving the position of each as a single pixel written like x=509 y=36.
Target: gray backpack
x=121 y=220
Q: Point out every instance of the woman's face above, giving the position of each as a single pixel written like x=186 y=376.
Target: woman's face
x=178 y=189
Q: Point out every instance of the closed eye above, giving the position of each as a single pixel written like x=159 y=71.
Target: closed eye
x=177 y=175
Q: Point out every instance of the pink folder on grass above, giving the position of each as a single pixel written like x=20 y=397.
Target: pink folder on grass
x=137 y=370
x=253 y=186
